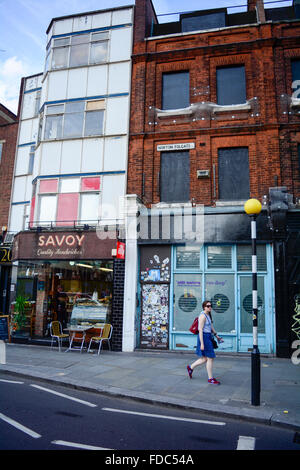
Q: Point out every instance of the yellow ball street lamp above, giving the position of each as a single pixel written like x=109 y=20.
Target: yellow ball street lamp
x=252 y=208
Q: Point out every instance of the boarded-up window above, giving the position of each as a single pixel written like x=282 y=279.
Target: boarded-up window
x=296 y=78
x=231 y=85
x=175 y=90
x=233 y=174
x=175 y=177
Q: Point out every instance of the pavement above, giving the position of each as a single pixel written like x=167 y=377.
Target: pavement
x=161 y=378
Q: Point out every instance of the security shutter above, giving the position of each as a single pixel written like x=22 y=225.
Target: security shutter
x=233 y=172
x=175 y=90
x=231 y=85
x=175 y=177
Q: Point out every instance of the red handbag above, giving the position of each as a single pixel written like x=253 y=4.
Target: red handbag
x=194 y=328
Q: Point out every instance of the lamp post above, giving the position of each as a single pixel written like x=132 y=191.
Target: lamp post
x=252 y=208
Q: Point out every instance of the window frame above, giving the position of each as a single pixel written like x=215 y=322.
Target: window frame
x=31 y=160
x=188 y=91
x=59 y=192
x=220 y=68
x=239 y=198
x=187 y=156
x=65 y=42
x=62 y=115
x=210 y=269
x=296 y=89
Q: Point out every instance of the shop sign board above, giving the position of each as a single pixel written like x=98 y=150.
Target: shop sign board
x=61 y=245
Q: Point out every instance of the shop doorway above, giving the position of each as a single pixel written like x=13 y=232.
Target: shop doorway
x=217 y=275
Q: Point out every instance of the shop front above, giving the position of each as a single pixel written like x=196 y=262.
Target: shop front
x=175 y=280
x=176 y=276
x=66 y=276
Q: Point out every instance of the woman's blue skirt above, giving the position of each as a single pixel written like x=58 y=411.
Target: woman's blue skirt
x=208 y=346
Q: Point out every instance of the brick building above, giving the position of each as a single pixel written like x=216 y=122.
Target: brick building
x=215 y=122
x=8 y=138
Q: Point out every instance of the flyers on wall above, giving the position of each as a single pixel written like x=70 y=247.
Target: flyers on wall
x=155 y=264
x=155 y=316
x=155 y=275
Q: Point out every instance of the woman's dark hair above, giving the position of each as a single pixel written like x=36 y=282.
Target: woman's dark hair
x=204 y=305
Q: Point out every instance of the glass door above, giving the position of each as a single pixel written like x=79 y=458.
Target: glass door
x=245 y=337
x=220 y=290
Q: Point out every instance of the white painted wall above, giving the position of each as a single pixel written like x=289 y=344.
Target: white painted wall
x=107 y=153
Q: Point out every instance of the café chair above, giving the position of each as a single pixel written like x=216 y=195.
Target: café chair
x=105 y=336
x=57 y=334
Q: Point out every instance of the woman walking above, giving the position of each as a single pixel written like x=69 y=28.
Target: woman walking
x=205 y=349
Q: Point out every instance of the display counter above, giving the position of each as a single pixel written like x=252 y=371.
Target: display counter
x=91 y=313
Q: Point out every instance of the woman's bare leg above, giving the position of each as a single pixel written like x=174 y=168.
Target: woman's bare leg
x=198 y=362
x=209 y=367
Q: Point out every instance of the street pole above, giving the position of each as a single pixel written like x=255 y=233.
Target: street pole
x=255 y=354
x=253 y=208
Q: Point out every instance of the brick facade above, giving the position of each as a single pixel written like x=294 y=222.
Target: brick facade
x=271 y=137
x=8 y=137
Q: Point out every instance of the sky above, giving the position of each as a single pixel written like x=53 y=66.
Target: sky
x=23 y=25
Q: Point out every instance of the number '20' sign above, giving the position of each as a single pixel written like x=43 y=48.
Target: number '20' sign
x=5 y=255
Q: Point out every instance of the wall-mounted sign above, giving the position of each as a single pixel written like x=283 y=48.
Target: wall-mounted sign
x=120 y=250
x=173 y=147
x=202 y=173
x=61 y=245
x=5 y=255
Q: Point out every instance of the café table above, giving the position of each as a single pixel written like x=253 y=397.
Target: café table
x=77 y=332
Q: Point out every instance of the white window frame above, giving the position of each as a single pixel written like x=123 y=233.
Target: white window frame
x=96 y=106
x=60 y=191
x=66 y=43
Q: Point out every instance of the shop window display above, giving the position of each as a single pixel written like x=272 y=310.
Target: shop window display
x=73 y=292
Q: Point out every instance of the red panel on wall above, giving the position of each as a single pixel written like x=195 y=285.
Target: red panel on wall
x=32 y=211
x=90 y=184
x=67 y=209
x=49 y=186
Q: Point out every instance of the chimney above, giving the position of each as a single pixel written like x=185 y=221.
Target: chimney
x=258 y=5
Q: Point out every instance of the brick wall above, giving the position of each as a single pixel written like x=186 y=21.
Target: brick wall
x=266 y=53
x=8 y=134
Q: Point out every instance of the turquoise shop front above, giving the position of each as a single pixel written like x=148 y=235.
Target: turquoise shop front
x=174 y=280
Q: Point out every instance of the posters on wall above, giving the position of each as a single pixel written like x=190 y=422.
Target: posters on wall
x=155 y=274
x=155 y=264
x=155 y=315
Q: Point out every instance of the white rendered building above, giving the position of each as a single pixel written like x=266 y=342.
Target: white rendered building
x=71 y=161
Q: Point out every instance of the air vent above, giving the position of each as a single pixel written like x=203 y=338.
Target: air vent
x=202 y=173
